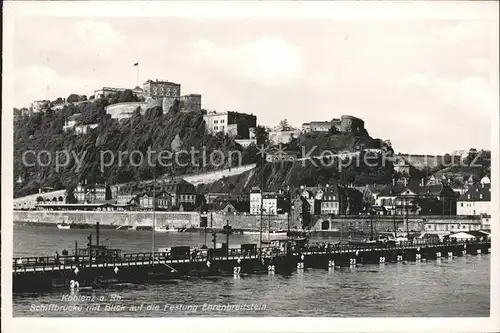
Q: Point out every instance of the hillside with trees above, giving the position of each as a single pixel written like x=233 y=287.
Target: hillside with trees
x=153 y=130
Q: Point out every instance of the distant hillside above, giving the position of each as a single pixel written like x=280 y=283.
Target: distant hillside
x=44 y=132
x=277 y=175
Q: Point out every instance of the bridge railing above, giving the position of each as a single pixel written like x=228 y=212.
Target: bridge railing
x=24 y=263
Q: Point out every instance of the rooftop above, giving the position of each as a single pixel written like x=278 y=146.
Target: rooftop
x=477 y=193
x=160 y=82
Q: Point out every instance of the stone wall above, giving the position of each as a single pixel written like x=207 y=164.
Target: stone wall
x=422 y=161
x=29 y=201
x=125 y=110
x=244 y=221
x=387 y=223
x=351 y=124
x=173 y=219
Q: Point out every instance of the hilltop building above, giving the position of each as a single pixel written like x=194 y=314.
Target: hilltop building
x=39 y=106
x=107 y=91
x=345 y=124
x=279 y=136
x=230 y=123
x=159 y=89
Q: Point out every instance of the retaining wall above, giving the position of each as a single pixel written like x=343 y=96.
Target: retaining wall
x=245 y=221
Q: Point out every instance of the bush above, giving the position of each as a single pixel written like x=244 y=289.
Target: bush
x=73 y=98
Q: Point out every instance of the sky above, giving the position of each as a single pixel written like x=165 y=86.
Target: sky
x=424 y=84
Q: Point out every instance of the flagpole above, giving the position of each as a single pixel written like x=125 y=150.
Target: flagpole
x=137 y=79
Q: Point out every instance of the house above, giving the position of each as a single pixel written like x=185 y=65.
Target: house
x=270 y=204
x=370 y=193
x=401 y=166
x=330 y=201
x=231 y=123
x=39 y=106
x=71 y=122
x=180 y=190
x=255 y=200
x=476 y=201
x=126 y=198
x=413 y=199
x=235 y=206
x=90 y=193
x=442 y=226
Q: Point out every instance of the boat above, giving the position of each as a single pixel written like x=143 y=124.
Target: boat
x=63 y=225
x=279 y=233
x=165 y=229
x=245 y=232
x=126 y=227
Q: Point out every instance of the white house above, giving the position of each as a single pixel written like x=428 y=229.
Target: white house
x=476 y=201
x=71 y=122
x=255 y=201
x=84 y=129
x=270 y=204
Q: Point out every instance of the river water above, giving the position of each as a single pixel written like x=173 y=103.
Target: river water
x=449 y=287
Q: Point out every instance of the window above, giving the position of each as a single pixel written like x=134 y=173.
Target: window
x=480 y=196
x=216 y=128
x=461 y=204
x=468 y=196
x=216 y=121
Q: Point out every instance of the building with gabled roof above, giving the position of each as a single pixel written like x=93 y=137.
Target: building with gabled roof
x=476 y=201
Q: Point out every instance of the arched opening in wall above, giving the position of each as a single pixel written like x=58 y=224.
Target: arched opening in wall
x=54 y=199
x=325 y=225
x=61 y=199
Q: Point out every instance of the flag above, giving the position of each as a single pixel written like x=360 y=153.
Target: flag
x=136 y=64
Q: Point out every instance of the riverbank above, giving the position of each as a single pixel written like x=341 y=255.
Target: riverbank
x=217 y=220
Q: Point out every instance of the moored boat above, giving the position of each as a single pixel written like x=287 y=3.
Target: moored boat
x=63 y=225
x=165 y=229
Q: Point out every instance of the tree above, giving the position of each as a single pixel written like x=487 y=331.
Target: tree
x=73 y=98
x=261 y=135
x=126 y=96
x=284 y=125
x=83 y=98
